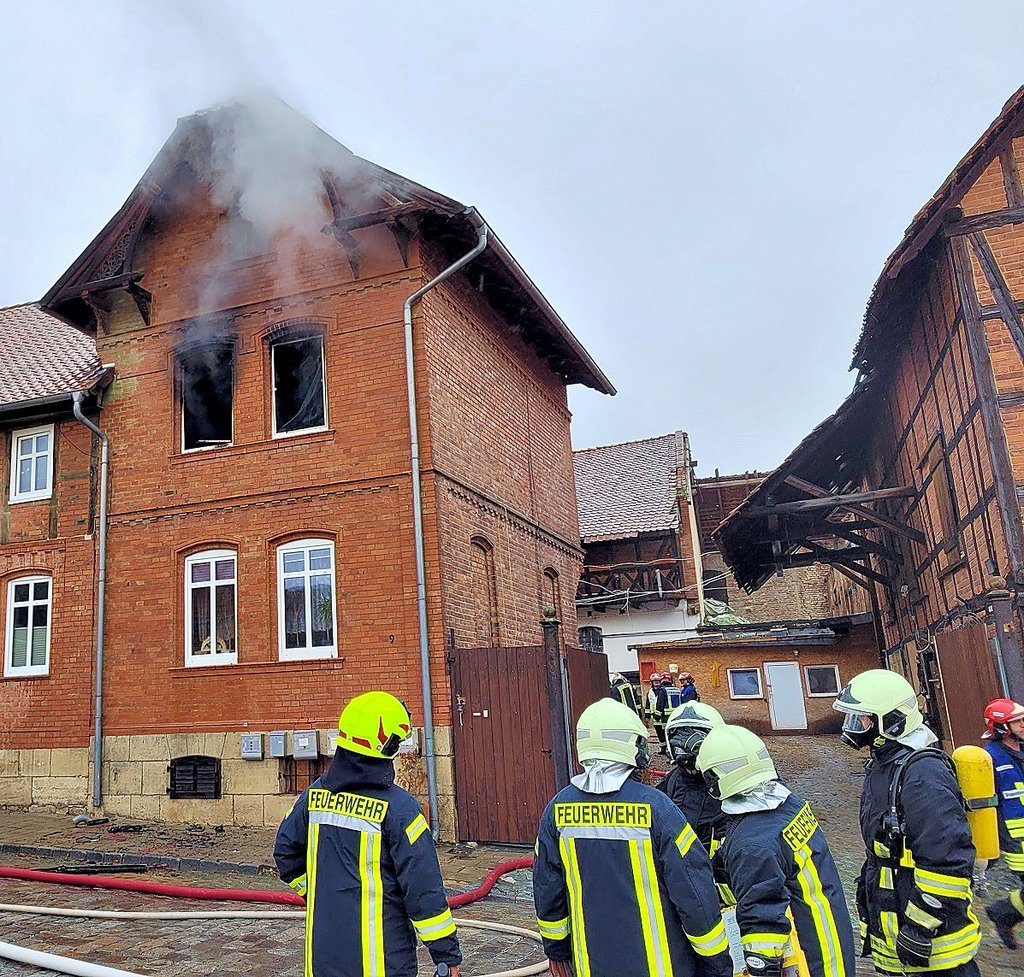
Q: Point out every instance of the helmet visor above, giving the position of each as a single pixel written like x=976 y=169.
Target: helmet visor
x=860 y=729
x=683 y=744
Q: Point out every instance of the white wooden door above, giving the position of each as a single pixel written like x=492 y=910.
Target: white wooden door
x=785 y=695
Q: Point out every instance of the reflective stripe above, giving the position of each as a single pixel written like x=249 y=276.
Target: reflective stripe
x=685 y=840
x=939 y=884
x=767 y=944
x=606 y=832
x=725 y=894
x=821 y=914
x=434 y=928
x=917 y=915
x=343 y=821
x=299 y=885
x=1016 y=827
x=312 y=849
x=652 y=919
x=885 y=877
x=581 y=958
x=416 y=829
x=372 y=908
x=1014 y=862
x=882 y=851
x=1017 y=901
x=557 y=929
x=713 y=942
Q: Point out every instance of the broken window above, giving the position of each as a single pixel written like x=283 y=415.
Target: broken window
x=246 y=239
x=206 y=379
x=941 y=498
x=298 y=371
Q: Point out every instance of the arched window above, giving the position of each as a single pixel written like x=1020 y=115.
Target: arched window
x=591 y=639
x=552 y=591
x=715 y=586
x=306 y=614
x=211 y=608
x=485 y=625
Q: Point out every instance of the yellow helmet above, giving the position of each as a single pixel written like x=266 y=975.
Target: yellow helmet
x=374 y=724
x=878 y=704
x=685 y=731
x=733 y=760
x=608 y=730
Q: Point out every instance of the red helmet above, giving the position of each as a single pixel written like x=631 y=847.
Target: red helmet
x=655 y=677
x=999 y=713
x=685 y=677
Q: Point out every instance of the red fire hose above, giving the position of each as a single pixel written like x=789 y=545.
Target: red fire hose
x=234 y=895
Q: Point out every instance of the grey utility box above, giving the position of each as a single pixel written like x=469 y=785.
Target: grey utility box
x=252 y=746
x=304 y=744
x=277 y=744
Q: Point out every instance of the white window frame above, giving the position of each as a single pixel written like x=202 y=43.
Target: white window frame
x=10 y=671
x=35 y=494
x=821 y=695
x=181 y=408
x=214 y=657
x=285 y=341
x=307 y=652
x=760 y=682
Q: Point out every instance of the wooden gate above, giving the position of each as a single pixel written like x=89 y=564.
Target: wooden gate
x=969 y=680
x=504 y=771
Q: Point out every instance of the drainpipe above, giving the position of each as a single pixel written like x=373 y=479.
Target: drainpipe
x=97 y=742
x=417 y=506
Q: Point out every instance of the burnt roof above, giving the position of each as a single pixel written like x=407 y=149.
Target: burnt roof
x=625 y=490
x=439 y=217
x=44 y=359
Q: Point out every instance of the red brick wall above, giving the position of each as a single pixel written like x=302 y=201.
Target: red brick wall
x=51 y=537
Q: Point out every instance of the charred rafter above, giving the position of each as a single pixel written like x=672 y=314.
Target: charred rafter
x=97 y=296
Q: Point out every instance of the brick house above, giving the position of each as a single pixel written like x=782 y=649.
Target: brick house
x=913 y=487
x=248 y=300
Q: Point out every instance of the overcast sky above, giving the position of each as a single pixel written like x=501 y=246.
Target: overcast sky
x=706 y=192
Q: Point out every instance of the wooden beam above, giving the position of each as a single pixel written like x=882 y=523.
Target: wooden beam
x=878 y=518
x=797 y=560
x=1000 y=291
x=830 y=501
x=371 y=218
x=861 y=581
x=1011 y=177
x=880 y=549
x=984 y=222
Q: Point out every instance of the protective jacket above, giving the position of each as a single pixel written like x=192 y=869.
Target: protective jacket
x=689 y=793
x=928 y=885
x=669 y=697
x=778 y=862
x=1009 y=771
x=689 y=693
x=623 y=888
x=623 y=692
x=360 y=851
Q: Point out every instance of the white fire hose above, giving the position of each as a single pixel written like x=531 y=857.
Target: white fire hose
x=82 y=968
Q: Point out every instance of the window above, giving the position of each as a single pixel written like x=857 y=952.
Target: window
x=822 y=680
x=305 y=599
x=246 y=239
x=28 y=626
x=485 y=630
x=32 y=464
x=942 y=498
x=194 y=777
x=298 y=371
x=745 y=683
x=591 y=639
x=552 y=591
x=206 y=379
x=715 y=587
x=211 y=608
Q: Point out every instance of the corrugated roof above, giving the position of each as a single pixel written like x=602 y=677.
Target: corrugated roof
x=42 y=356
x=623 y=490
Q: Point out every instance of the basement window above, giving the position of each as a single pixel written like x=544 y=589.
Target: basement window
x=297 y=366
x=194 y=777
x=206 y=380
x=297 y=775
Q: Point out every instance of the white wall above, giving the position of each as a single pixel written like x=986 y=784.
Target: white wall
x=638 y=627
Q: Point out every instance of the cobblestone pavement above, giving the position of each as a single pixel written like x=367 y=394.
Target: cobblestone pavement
x=255 y=948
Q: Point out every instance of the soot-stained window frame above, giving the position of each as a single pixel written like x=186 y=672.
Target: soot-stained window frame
x=226 y=346
x=291 y=334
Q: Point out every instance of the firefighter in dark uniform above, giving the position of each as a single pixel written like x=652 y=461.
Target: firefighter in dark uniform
x=360 y=851
x=1004 y=730
x=685 y=731
x=667 y=701
x=914 y=891
x=777 y=864
x=621 y=885
x=622 y=691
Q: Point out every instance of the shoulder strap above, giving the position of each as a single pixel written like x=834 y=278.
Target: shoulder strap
x=904 y=763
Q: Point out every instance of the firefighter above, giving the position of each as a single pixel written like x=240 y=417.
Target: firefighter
x=914 y=891
x=622 y=691
x=688 y=688
x=652 y=695
x=1004 y=730
x=684 y=733
x=621 y=885
x=776 y=861
x=668 y=700
x=360 y=851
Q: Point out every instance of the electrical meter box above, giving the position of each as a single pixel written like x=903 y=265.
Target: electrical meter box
x=252 y=746
x=304 y=744
x=277 y=744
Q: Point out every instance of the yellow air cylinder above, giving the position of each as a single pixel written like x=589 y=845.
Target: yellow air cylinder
x=977 y=780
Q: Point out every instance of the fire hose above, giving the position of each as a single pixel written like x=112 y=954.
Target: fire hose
x=80 y=968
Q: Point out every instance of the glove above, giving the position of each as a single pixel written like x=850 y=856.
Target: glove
x=913 y=945
x=560 y=968
x=443 y=970
x=759 y=966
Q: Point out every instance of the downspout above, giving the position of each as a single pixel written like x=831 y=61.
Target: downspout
x=101 y=596
x=417 y=507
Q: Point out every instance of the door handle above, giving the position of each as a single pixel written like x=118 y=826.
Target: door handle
x=548 y=752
